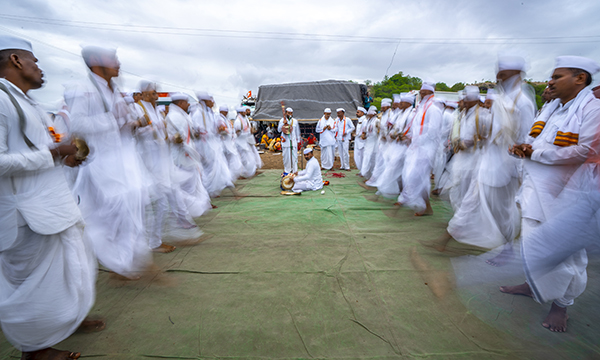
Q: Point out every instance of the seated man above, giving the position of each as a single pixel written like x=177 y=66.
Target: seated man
x=309 y=178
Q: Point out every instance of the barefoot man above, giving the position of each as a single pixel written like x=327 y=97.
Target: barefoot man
x=47 y=269
x=563 y=138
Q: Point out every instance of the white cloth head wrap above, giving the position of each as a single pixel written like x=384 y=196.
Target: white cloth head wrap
x=407 y=97
x=128 y=99
x=223 y=108
x=146 y=85
x=511 y=62
x=428 y=84
x=203 y=95
x=386 y=102
x=491 y=94
x=289 y=109
x=241 y=109
x=471 y=93
x=360 y=108
x=577 y=62
x=327 y=111
x=307 y=151
x=14 y=43
x=372 y=110
x=340 y=109
x=397 y=98
x=90 y=54
x=179 y=96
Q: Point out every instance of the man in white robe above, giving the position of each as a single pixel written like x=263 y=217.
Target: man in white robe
x=370 y=137
x=326 y=130
x=309 y=179
x=563 y=138
x=47 y=267
x=416 y=175
x=344 y=128
x=290 y=137
x=110 y=186
x=225 y=129
x=384 y=125
x=359 y=143
x=186 y=174
x=245 y=142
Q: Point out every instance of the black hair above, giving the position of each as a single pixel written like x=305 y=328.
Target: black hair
x=588 y=76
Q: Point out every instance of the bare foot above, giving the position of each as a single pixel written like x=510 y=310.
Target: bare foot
x=522 y=289
x=49 y=354
x=213 y=206
x=397 y=203
x=438 y=244
x=89 y=325
x=556 y=320
x=435 y=192
x=501 y=259
x=428 y=210
x=185 y=224
x=164 y=249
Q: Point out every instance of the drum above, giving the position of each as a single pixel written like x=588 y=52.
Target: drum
x=82 y=149
x=286 y=129
x=287 y=183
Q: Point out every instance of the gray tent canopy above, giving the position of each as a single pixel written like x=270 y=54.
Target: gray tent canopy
x=308 y=99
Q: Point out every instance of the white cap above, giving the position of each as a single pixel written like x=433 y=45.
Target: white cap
x=453 y=104
x=360 y=108
x=90 y=54
x=14 y=43
x=471 y=93
x=307 y=150
x=203 y=95
x=340 y=109
x=327 y=111
x=428 y=84
x=240 y=109
x=397 y=98
x=407 y=97
x=372 y=110
x=386 y=102
x=289 y=109
x=577 y=62
x=223 y=108
x=511 y=62
x=146 y=85
x=179 y=96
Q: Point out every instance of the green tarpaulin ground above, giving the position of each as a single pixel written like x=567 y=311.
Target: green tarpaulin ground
x=334 y=276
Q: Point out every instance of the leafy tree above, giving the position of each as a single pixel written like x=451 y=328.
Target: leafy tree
x=539 y=89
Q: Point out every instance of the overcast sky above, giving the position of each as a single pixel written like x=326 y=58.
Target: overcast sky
x=230 y=47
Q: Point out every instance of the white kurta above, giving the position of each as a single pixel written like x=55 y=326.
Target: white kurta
x=344 y=128
x=47 y=268
x=229 y=149
x=310 y=178
x=370 y=130
x=245 y=145
x=110 y=186
x=327 y=141
x=546 y=175
x=186 y=175
x=359 y=143
x=289 y=146
x=416 y=174
x=386 y=124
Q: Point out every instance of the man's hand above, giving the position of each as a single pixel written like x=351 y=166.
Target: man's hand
x=178 y=139
x=63 y=150
x=72 y=161
x=527 y=150
x=521 y=150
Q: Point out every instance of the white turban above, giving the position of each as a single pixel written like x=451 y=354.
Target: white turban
x=453 y=104
x=91 y=54
x=146 y=85
x=203 y=95
x=327 y=111
x=407 y=97
x=372 y=110
x=289 y=109
x=14 y=43
x=340 y=109
x=511 y=62
x=360 y=108
x=386 y=102
x=307 y=151
x=179 y=96
x=577 y=62
x=471 y=93
x=223 y=108
x=240 y=109
x=397 y=98
x=428 y=84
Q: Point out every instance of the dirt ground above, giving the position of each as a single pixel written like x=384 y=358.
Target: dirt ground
x=272 y=160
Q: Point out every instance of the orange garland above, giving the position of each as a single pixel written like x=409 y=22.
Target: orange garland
x=57 y=137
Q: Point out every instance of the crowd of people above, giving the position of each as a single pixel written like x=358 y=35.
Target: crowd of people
x=135 y=175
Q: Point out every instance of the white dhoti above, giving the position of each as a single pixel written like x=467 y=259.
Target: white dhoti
x=416 y=181
x=344 y=150
x=47 y=287
x=327 y=156
x=290 y=163
x=358 y=157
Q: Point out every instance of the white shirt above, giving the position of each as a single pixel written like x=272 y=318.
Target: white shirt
x=344 y=128
x=294 y=137
x=312 y=174
x=327 y=137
